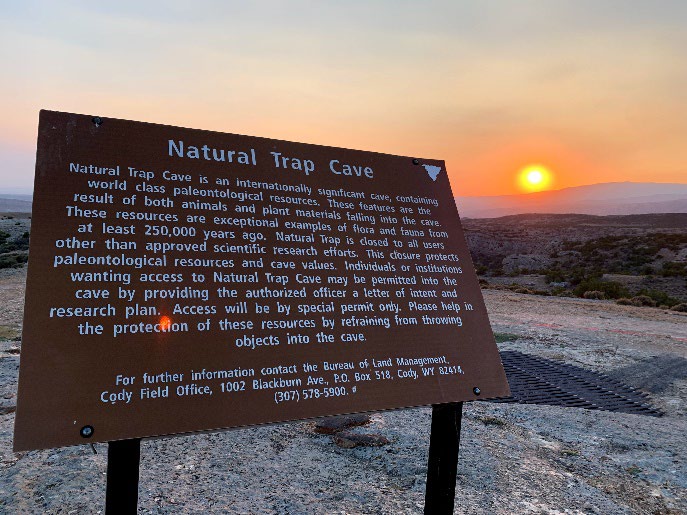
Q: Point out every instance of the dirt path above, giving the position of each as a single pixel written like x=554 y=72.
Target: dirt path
x=643 y=329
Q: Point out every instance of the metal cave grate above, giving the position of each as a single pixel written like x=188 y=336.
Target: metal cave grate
x=535 y=380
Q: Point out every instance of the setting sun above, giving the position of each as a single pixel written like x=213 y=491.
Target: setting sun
x=534 y=178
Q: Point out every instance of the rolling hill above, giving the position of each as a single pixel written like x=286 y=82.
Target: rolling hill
x=613 y=198
x=10 y=203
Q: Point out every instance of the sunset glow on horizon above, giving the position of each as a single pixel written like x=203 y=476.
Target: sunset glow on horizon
x=535 y=178
x=595 y=91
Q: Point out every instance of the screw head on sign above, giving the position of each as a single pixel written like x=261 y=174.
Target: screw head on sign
x=97 y=121
x=86 y=431
x=416 y=161
x=476 y=391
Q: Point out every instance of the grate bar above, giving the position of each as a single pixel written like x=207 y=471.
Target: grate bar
x=535 y=380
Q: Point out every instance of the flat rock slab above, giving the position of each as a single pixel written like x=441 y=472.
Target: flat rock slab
x=331 y=425
x=349 y=440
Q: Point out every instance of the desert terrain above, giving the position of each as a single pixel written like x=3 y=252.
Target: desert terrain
x=514 y=458
x=641 y=259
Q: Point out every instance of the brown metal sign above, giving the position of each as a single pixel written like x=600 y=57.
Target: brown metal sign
x=184 y=280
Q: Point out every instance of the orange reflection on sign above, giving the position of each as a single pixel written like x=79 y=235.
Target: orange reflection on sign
x=165 y=323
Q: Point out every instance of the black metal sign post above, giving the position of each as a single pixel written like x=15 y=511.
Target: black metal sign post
x=123 y=462
x=123 y=458
x=442 y=464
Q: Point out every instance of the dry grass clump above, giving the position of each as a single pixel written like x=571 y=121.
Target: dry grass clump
x=523 y=290
x=639 y=301
x=594 y=294
x=644 y=300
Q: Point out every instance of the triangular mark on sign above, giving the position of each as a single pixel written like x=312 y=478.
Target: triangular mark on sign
x=433 y=171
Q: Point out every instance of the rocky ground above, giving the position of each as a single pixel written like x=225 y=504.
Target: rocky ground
x=513 y=459
x=14 y=239
x=559 y=254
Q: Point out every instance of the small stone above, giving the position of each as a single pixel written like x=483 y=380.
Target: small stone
x=331 y=425
x=348 y=440
x=6 y=410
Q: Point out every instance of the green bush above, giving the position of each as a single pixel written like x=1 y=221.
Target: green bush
x=505 y=337
x=611 y=289
x=19 y=243
x=660 y=297
x=643 y=300
x=11 y=261
x=671 y=269
x=554 y=275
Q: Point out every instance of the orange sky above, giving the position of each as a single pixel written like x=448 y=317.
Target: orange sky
x=594 y=91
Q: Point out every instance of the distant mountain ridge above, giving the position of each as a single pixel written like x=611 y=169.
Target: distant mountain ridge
x=611 y=198
x=15 y=203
